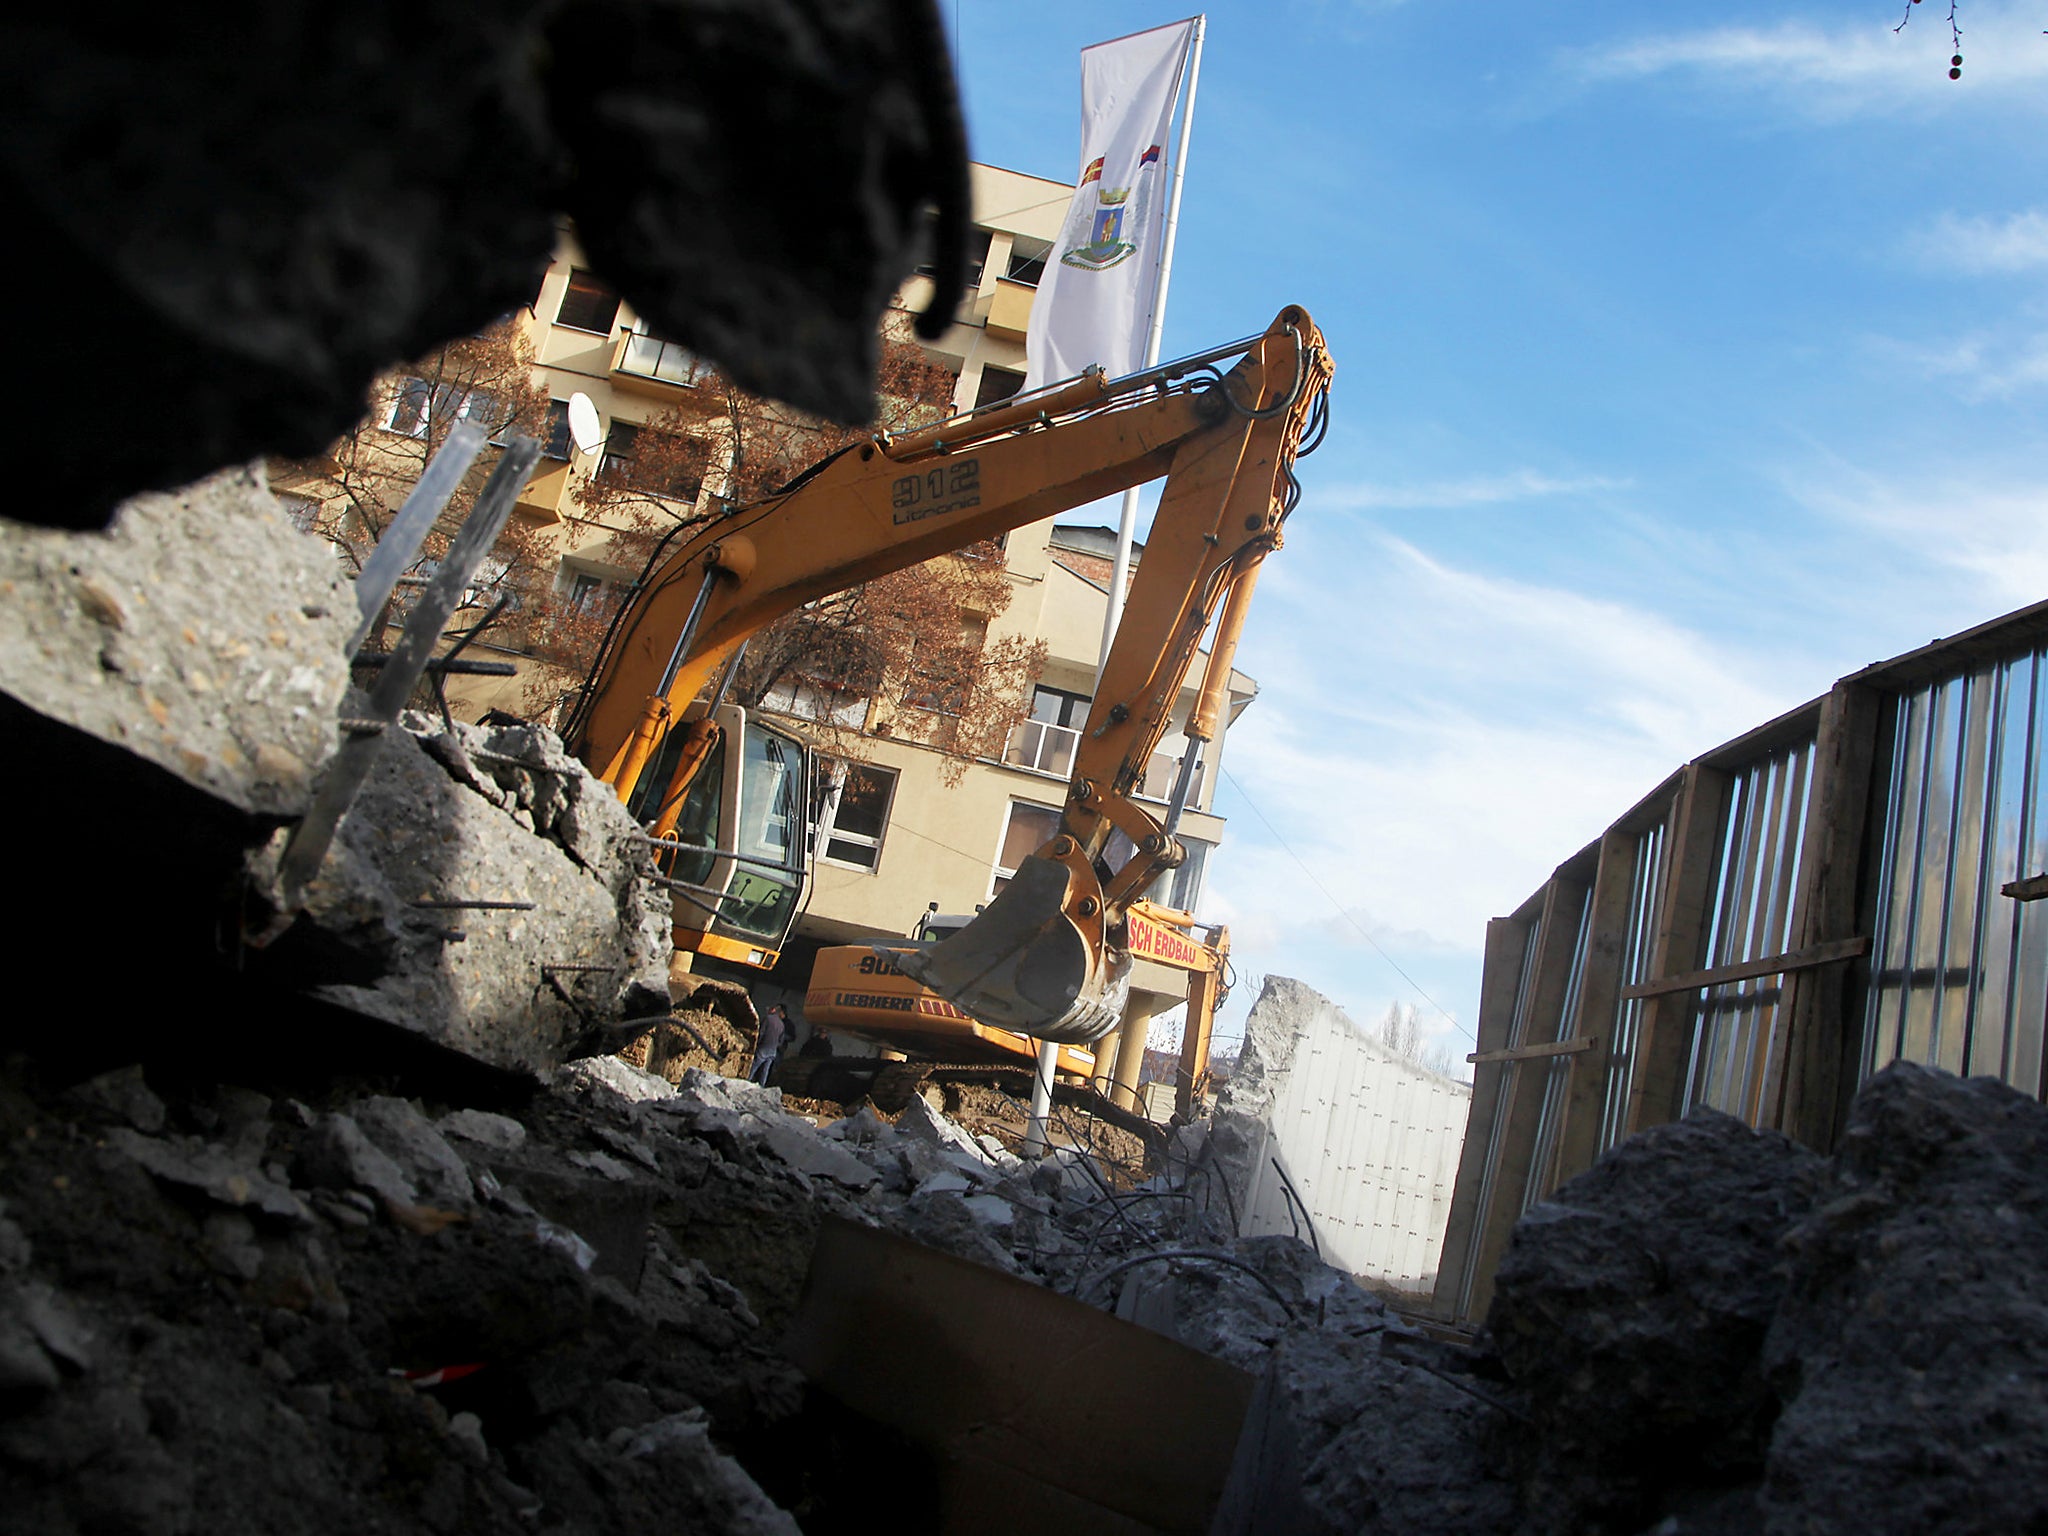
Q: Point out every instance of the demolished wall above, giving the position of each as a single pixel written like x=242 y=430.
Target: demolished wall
x=491 y=896
x=1322 y=1126
x=173 y=690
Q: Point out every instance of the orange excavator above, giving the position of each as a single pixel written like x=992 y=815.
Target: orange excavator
x=863 y=991
x=726 y=796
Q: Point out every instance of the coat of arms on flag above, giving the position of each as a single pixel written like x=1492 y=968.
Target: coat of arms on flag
x=1096 y=298
x=1105 y=245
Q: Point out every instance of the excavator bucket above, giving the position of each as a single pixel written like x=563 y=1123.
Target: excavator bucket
x=1024 y=965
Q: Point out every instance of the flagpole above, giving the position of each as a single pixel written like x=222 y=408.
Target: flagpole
x=1127 y=522
x=1035 y=1138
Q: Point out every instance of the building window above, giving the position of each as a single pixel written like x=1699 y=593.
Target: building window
x=1026 y=266
x=302 y=510
x=412 y=408
x=1029 y=829
x=863 y=814
x=1184 y=885
x=997 y=384
x=810 y=698
x=938 y=683
x=554 y=431
x=977 y=256
x=649 y=357
x=1056 y=706
x=586 y=593
x=587 y=305
x=1045 y=743
x=659 y=463
x=417 y=405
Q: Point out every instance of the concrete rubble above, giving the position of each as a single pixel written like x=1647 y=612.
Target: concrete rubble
x=282 y=1307
x=191 y=731
x=488 y=815
x=284 y=1276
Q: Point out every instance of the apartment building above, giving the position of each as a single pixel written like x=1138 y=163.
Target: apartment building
x=905 y=840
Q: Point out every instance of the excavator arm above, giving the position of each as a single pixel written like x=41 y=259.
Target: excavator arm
x=1050 y=955
x=1225 y=442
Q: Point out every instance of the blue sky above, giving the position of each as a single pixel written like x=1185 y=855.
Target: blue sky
x=1687 y=359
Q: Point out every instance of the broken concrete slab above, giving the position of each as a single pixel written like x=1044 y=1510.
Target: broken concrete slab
x=1275 y=1154
x=335 y=1154
x=992 y=1210
x=208 y=1169
x=680 y=1445
x=521 y=987
x=921 y=1121
x=409 y=1139
x=179 y=673
x=202 y=633
x=1911 y=1345
x=809 y=1153
x=731 y=1093
x=1650 y=1280
x=123 y=1094
x=500 y=1133
x=610 y=1075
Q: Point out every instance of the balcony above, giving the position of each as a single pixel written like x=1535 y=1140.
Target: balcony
x=1043 y=748
x=1009 y=311
x=1160 y=773
x=545 y=493
x=655 y=367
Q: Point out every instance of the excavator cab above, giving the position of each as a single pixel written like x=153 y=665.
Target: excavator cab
x=738 y=882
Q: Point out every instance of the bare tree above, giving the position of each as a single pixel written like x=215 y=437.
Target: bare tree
x=906 y=655
x=1401 y=1032
x=350 y=494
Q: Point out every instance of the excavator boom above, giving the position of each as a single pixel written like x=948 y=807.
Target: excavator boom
x=1225 y=442
x=1050 y=956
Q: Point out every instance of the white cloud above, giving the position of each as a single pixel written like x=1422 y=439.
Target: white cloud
x=1842 y=70
x=2015 y=243
x=1983 y=365
x=1432 y=755
x=1469 y=491
x=1992 y=534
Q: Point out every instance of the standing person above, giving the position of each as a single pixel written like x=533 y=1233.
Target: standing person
x=774 y=1028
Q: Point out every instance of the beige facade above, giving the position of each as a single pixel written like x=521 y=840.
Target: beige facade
x=907 y=840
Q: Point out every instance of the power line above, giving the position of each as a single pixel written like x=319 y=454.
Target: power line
x=1344 y=912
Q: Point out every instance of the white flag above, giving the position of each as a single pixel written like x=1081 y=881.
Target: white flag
x=1095 y=300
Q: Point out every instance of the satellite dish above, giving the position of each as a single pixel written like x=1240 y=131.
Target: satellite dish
x=585 y=430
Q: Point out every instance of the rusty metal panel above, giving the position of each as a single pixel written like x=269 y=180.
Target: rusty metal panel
x=1082 y=1422
x=1958 y=972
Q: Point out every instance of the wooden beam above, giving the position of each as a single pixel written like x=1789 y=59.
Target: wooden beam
x=1525 y=1083
x=1692 y=866
x=1578 y=1140
x=1832 y=953
x=1822 y=1044
x=2034 y=888
x=1505 y=941
x=1534 y=1052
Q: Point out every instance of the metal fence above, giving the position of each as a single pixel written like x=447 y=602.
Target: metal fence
x=1860 y=880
